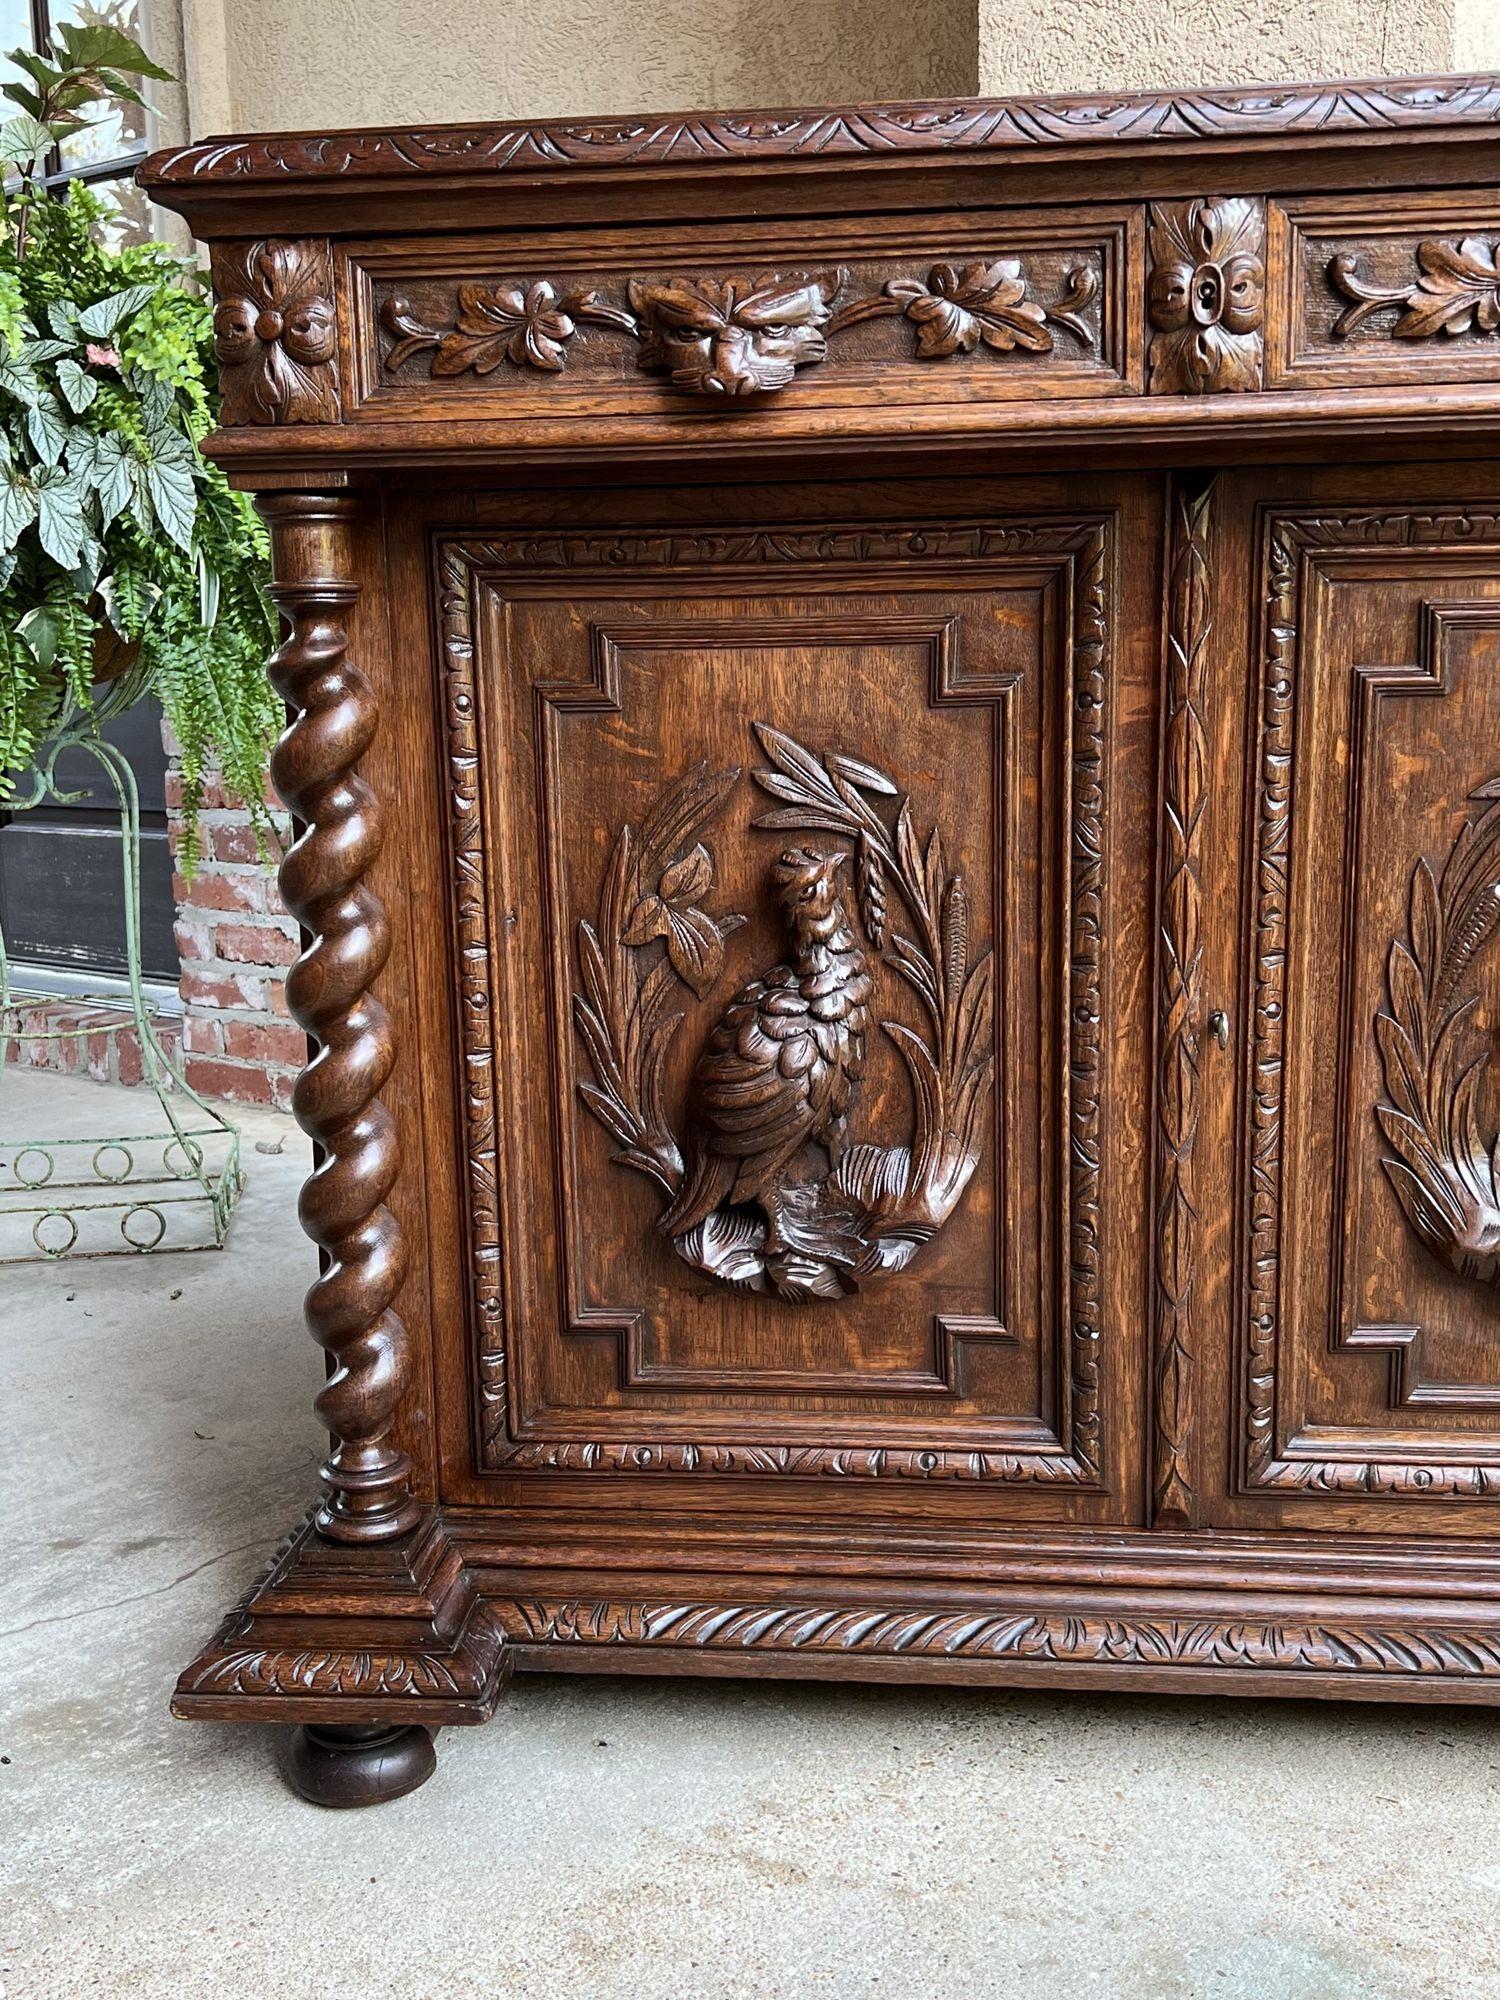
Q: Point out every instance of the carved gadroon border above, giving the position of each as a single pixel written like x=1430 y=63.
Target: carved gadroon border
x=1291 y=542
x=1180 y=992
x=1002 y=125
x=1084 y=547
x=1407 y=1652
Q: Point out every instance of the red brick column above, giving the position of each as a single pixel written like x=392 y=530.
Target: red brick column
x=236 y=942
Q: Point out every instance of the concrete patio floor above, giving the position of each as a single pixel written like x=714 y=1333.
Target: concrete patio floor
x=620 y=1837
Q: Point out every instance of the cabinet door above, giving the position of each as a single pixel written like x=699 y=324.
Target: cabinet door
x=1358 y=1284
x=797 y=863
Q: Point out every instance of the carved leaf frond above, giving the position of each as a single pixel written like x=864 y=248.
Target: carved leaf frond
x=927 y=1095
x=1443 y=1174
x=610 y=1113
x=1465 y=1149
x=857 y=772
x=695 y=949
x=1403 y=1069
x=1436 y=1221
x=1425 y=919
x=916 y=968
x=591 y=964
x=1470 y=932
x=1408 y=994
x=810 y=781
x=688 y=879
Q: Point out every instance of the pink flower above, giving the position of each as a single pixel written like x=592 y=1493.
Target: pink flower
x=102 y=357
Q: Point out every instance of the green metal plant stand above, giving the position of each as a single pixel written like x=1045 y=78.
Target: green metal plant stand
x=172 y=1180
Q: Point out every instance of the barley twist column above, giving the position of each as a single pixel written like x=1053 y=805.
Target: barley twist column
x=337 y=1097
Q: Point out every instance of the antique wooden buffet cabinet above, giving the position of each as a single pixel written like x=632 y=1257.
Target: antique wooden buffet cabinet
x=896 y=722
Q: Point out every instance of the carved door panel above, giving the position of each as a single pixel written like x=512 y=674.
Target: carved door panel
x=1360 y=1278
x=797 y=899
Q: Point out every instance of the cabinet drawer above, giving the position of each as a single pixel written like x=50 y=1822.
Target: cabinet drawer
x=1400 y=289
x=968 y=309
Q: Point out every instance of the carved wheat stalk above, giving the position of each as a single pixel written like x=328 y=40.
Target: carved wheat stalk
x=337 y=1097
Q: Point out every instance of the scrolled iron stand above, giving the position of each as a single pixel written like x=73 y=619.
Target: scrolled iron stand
x=158 y=1187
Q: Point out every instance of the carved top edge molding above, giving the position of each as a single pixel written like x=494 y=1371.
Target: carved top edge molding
x=940 y=126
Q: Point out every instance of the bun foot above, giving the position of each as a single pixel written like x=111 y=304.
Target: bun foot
x=361 y=1764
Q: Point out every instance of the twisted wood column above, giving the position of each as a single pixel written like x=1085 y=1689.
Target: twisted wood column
x=337 y=1097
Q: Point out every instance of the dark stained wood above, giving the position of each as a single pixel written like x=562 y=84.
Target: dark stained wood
x=337 y=1097
x=357 y=1764
x=937 y=1116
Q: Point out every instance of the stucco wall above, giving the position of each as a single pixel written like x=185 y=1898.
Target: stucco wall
x=314 y=62
x=278 y=64
x=1145 y=44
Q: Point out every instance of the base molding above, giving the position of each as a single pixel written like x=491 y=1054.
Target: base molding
x=1342 y=1617
x=428 y=1629
x=392 y=1633
x=1224 y=1652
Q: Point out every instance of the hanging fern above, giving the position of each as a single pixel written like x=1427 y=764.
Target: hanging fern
x=119 y=541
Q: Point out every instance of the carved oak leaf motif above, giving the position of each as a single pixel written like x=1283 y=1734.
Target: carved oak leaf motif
x=988 y=305
x=506 y=324
x=528 y=325
x=956 y=310
x=274 y=334
x=724 y=337
x=1458 y=292
x=695 y=944
x=1445 y=1176
x=1206 y=297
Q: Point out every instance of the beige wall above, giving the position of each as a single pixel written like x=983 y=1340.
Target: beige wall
x=294 y=63
x=280 y=64
x=1145 y=44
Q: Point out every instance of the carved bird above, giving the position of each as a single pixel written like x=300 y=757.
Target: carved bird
x=779 y=1071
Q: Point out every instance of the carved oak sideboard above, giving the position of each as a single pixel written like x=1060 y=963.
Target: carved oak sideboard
x=896 y=726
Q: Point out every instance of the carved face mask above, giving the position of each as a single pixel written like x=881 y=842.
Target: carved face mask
x=731 y=339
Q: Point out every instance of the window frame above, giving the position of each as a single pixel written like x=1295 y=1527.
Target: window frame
x=119 y=166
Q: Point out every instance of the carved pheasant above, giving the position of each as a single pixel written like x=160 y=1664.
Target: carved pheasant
x=779 y=1071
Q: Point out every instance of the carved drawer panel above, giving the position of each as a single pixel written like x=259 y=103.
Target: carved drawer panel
x=1369 y=1206
x=975 y=308
x=783 y=902
x=1405 y=290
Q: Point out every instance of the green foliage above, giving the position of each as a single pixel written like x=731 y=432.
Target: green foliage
x=117 y=538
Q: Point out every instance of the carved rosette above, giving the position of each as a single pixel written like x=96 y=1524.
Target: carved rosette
x=732 y=337
x=1206 y=298
x=337 y=1097
x=275 y=334
x=1445 y=1174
